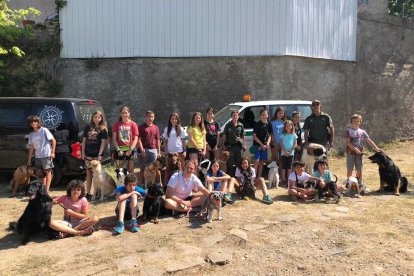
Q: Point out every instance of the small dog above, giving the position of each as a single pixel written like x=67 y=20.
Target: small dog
x=120 y=174
x=247 y=188
x=175 y=162
x=273 y=174
x=21 y=177
x=211 y=204
x=329 y=188
x=390 y=176
x=153 y=202
x=312 y=153
x=152 y=174
x=36 y=216
x=102 y=183
x=225 y=155
x=354 y=188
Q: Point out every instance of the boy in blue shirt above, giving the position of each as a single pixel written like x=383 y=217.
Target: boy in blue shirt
x=127 y=208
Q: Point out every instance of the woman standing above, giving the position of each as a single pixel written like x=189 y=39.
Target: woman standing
x=212 y=135
x=196 y=139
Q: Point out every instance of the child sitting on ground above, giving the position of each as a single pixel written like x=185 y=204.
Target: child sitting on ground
x=296 y=181
x=75 y=220
x=218 y=180
x=127 y=208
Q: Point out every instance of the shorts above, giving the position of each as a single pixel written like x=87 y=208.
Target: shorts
x=127 y=214
x=123 y=157
x=44 y=163
x=150 y=156
x=192 y=151
x=259 y=154
x=72 y=224
x=286 y=162
x=352 y=161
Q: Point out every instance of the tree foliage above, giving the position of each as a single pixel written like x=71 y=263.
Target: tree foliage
x=404 y=8
x=10 y=32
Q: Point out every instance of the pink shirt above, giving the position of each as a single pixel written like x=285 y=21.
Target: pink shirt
x=75 y=206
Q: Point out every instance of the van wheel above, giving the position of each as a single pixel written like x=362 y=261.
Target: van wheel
x=56 y=175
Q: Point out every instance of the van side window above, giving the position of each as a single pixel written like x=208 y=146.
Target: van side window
x=289 y=109
x=51 y=115
x=250 y=115
x=13 y=115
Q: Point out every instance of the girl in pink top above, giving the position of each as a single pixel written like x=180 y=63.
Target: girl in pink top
x=75 y=220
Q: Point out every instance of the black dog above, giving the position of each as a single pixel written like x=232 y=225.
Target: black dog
x=153 y=202
x=247 y=188
x=36 y=216
x=390 y=176
x=329 y=188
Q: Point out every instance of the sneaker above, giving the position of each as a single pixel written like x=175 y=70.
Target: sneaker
x=246 y=198
x=134 y=226
x=119 y=228
x=228 y=199
x=267 y=199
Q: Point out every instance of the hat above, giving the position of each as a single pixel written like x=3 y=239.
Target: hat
x=298 y=163
x=314 y=102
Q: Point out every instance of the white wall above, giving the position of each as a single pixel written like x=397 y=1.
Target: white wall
x=201 y=28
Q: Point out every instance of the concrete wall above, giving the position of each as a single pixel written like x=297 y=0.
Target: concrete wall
x=379 y=85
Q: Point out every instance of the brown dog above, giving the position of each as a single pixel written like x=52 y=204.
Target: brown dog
x=21 y=177
x=225 y=155
x=152 y=174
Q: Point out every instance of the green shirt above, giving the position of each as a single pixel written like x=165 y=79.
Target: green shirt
x=234 y=134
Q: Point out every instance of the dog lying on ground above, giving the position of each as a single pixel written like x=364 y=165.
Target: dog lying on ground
x=21 y=177
x=312 y=153
x=153 y=202
x=390 y=176
x=211 y=204
x=225 y=155
x=120 y=174
x=330 y=188
x=36 y=216
x=152 y=174
x=273 y=174
x=103 y=184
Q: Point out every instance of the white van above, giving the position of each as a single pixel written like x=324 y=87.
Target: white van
x=252 y=108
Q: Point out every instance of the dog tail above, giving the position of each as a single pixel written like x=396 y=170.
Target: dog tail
x=404 y=184
x=336 y=178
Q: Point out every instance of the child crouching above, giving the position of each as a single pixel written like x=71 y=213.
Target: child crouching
x=127 y=208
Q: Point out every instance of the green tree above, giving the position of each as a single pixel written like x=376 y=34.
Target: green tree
x=10 y=32
x=401 y=7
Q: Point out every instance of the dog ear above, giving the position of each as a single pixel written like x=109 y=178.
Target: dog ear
x=117 y=171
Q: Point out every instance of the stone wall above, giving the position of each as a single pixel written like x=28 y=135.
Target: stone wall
x=379 y=85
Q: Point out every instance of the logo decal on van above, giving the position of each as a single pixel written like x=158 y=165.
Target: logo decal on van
x=51 y=116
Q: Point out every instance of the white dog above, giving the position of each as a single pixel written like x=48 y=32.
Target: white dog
x=273 y=175
x=102 y=183
x=311 y=154
x=353 y=187
x=120 y=174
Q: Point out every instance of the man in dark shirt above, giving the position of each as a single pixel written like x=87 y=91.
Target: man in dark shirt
x=318 y=127
x=233 y=141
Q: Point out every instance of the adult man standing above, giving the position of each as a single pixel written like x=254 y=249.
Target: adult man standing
x=318 y=127
x=233 y=141
x=179 y=194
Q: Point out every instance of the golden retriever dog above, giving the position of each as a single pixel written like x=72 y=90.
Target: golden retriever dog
x=21 y=177
x=102 y=183
x=225 y=155
x=152 y=174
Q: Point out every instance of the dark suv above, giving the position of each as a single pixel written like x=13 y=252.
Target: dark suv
x=65 y=118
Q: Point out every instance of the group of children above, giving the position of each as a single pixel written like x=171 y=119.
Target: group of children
x=282 y=136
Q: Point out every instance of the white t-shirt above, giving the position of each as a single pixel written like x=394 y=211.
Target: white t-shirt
x=182 y=187
x=238 y=174
x=301 y=178
x=41 y=142
x=175 y=144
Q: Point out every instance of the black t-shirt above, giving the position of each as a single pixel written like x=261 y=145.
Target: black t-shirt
x=93 y=140
x=263 y=131
x=298 y=132
x=212 y=130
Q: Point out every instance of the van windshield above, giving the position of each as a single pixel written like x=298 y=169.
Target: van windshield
x=224 y=114
x=85 y=112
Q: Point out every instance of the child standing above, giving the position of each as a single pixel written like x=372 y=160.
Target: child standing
x=355 y=145
x=246 y=173
x=94 y=140
x=262 y=135
x=125 y=139
x=212 y=135
x=149 y=137
x=174 y=142
x=75 y=220
x=287 y=144
x=278 y=121
x=42 y=143
x=127 y=208
x=196 y=139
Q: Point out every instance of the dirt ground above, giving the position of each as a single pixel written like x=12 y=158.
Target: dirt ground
x=372 y=235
